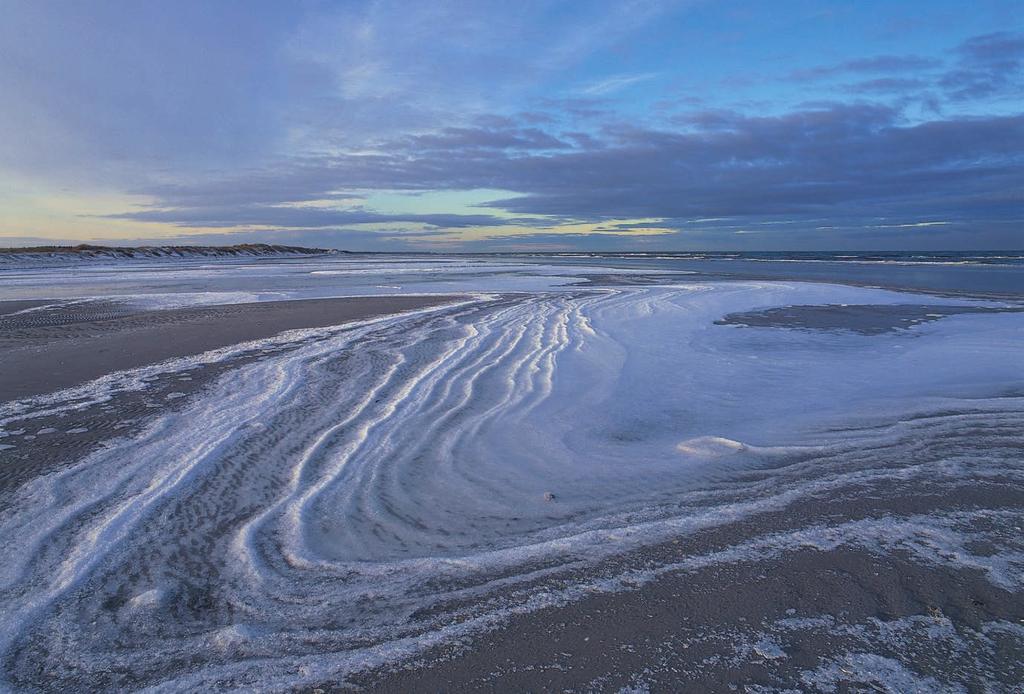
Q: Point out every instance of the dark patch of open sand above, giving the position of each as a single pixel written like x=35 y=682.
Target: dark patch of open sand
x=715 y=629
x=866 y=319
x=48 y=350
x=807 y=620
x=704 y=632
x=9 y=307
x=36 y=445
x=54 y=349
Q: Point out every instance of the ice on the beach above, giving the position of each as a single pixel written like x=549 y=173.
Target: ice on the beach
x=768 y=649
x=710 y=447
x=384 y=482
x=878 y=672
x=149 y=599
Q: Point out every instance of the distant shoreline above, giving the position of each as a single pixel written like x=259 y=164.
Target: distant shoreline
x=90 y=252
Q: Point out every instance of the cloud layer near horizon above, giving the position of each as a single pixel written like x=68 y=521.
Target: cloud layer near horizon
x=380 y=126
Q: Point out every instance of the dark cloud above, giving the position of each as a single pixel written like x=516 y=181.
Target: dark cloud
x=990 y=65
x=879 y=64
x=888 y=85
x=250 y=139
x=506 y=138
x=300 y=217
x=583 y=140
x=579 y=107
x=710 y=119
x=995 y=47
x=490 y=120
x=843 y=162
x=536 y=117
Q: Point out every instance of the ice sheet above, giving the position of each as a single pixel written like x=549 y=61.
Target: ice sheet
x=344 y=492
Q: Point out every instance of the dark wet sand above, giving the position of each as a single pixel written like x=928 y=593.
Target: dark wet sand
x=748 y=626
x=701 y=632
x=715 y=629
x=49 y=350
x=866 y=319
x=9 y=307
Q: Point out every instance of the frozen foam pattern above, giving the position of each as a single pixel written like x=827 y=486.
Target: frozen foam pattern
x=377 y=489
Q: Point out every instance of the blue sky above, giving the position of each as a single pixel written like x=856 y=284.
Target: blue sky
x=471 y=126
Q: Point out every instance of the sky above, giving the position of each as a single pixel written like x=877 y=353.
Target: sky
x=635 y=125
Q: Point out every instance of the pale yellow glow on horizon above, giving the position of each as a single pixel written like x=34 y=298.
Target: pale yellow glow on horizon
x=31 y=214
x=29 y=211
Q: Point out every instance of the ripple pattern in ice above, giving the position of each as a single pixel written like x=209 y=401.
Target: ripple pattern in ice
x=376 y=490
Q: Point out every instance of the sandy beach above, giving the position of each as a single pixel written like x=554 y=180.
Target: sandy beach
x=606 y=347
x=46 y=350
x=525 y=478
x=809 y=616
x=49 y=350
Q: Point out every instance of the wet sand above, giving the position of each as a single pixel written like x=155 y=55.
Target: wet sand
x=48 y=350
x=867 y=319
x=9 y=307
x=807 y=618
x=812 y=622
x=843 y=619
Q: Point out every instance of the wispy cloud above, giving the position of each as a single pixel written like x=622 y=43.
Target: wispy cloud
x=615 y=83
